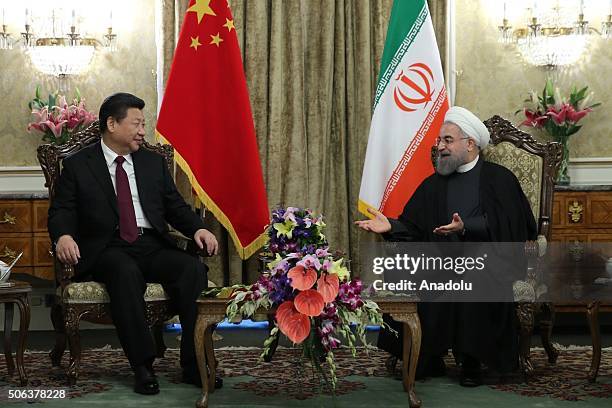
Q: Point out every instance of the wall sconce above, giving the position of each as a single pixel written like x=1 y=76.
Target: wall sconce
x=551 y=42
x=55 y=50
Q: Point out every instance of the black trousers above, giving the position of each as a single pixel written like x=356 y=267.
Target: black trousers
x=126 y=268
x=485 y=331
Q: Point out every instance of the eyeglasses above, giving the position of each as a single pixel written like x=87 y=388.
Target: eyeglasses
x=447 y=140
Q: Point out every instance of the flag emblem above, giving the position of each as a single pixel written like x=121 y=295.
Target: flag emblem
x=413 y=87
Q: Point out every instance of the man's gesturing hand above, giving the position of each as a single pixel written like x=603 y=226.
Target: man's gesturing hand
x=379 y=224
x=67 y=250
x=456 y=226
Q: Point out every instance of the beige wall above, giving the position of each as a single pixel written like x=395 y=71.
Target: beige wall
x=494 y=80
x=130 y=69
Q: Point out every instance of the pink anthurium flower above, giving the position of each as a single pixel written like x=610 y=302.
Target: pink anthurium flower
x=292 y=323
x=327 y=286
x=309 y=302
x=302 y=278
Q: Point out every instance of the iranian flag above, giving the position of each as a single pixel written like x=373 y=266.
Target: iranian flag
x=409 y=110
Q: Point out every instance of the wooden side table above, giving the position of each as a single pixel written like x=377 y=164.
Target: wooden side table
x=592 y=310
x=212 y=311
x=19 y=294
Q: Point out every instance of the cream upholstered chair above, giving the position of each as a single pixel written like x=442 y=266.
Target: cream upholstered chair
x=535 y=165
x=76 y=301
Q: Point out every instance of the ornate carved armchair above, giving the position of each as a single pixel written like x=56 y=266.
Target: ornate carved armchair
x=535 y=165
x=76 y=301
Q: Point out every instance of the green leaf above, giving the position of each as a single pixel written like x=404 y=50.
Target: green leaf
x=52 y=100
x=573 y=130
x=37 y=92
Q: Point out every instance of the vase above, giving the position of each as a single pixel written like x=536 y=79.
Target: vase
x=563 y=178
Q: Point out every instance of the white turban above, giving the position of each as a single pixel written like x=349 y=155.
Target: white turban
x=469 y=124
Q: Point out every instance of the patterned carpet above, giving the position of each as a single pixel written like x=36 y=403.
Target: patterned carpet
x=102 y=369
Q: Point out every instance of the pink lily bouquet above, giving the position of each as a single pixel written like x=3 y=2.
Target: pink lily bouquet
x=315 y=298
x=558 y=116
x=56 y=120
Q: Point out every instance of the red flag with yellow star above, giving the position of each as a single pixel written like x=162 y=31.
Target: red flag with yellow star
x=206 y=115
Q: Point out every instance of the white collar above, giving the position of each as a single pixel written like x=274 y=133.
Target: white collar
x=110 y=155
x=464 y=168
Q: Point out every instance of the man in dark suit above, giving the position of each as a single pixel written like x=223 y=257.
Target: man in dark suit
x=109 y=218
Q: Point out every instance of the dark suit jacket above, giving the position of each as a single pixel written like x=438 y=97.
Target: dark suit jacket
x=85 y=203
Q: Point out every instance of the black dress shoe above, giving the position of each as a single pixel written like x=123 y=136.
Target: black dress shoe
x=430 y=366
x=197 y=381
x=144 y=381
x=471 y=372
x=470 y=380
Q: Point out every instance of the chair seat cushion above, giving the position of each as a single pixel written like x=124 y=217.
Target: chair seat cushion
x=95 y=292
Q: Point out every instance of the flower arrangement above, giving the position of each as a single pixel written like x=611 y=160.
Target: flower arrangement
x=558 y=116
x=56 y=120
x=316 y=299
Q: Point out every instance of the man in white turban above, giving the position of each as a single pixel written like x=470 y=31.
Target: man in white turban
x=484 y=202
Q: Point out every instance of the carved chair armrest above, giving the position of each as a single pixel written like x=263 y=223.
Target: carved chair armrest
x=187 y=244
x=542 y=245
x=532 y=288
x=63 y=273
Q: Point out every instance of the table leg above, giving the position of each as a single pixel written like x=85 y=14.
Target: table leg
x=593 y=317
x=200 y=339
x=210 y=356
x=411 y=349
x=8 y=329
x=24 y=324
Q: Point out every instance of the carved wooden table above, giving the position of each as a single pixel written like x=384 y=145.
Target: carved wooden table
x=592 y=310
x=20 y=294
x=212 y=311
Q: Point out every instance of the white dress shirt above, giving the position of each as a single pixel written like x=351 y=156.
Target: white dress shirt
x=128 y=166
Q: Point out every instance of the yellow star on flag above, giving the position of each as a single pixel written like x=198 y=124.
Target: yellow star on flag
x=229 y=24
x=202 y=8
x=216 y=39
x=195 y=43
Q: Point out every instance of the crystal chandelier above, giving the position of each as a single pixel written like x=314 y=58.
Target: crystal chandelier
x=56 y=49
x=553 y=38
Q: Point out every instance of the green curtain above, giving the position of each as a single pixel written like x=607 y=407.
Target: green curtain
x=311 y=67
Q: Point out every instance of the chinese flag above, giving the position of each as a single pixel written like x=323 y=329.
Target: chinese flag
x=206 y=115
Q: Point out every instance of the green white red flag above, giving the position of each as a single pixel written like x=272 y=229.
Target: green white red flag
x=409 y=109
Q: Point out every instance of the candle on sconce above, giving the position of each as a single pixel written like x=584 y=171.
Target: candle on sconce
x=27 y=16
x=505 y=9
x=73 y=18
x=582 y=7
x=3 y=16
x=110 y=18
x=534 y=10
